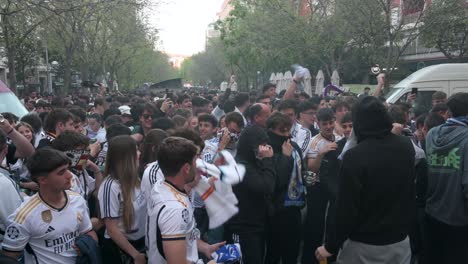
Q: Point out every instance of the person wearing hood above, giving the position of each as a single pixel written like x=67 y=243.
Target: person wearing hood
x=375 y=200
x=284 y=225
x=446 y=220
x=254 y=194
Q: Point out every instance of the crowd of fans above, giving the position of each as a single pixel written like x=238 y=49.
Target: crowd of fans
x=345 y=178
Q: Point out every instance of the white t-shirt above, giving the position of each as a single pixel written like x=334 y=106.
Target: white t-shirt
x=301 y=136
x=151 y=175
x=101 y=158
x=170 y=217
x=10 y=200
x=111 y=206
x=318 y=143
x=82 y=183
x=210 y=150
x=50 y=232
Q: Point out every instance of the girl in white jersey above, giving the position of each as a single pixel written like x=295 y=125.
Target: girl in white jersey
x=123 y=209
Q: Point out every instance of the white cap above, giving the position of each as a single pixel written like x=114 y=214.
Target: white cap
x=125 y=110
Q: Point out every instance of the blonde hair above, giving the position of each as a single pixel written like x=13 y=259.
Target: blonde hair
x=122 y=165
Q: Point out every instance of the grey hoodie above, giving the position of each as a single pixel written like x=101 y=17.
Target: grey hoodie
x=447 y=157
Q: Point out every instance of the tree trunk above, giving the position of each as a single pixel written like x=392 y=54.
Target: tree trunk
x=11 y=54
x=67 y=69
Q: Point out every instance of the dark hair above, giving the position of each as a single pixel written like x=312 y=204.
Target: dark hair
x=241 y=99
x=229 y=106
x=458 y=104
x=340 y=104
x=325 y=114
x=404 y=106
x=268 y=86
x=34 y=120
x=179 y=121
x=56 y=116
x=186 y=113
x=117 y=130
x=78 y=112
x=99 y=101
x=261 y=97
x=252 y=111
x=306 y=105
x=433 y=120
x=305 y=95
x=199 y=101
x=12 y=118
x=439 y=108
x=278 y=119
x=397 y=114
x=3 y=139
x=44 y=161
x=112 y=120
x=181 y=98
x=147 y=107
x=420 y=120
x=98 y=117
x=233 y=117
x=439 y=95
x=163 y=123
x=110 y=112
x=288 y=104
x=150 y=146
x=174 y=153
x=209 y=119
x=42 y=103
x=57 y=102
x=347 y=118
x=70 y=140
x=190 y=135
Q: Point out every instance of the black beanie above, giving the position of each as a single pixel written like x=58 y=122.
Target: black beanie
x=370 y=119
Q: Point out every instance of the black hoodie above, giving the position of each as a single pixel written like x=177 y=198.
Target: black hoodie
x=254 y=192
x=375 y=201
x=284 y=166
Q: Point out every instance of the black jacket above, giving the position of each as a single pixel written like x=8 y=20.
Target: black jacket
x=284 y=166
x=376 y=197
x=254 y=192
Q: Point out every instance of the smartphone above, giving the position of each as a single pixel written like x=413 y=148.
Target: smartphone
x=414 y=90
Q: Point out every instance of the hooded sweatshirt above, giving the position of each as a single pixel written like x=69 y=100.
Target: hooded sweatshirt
x=254 y=192
x=447 y=192
x=375 y=200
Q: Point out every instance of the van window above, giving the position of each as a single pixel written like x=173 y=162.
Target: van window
x=423 y=102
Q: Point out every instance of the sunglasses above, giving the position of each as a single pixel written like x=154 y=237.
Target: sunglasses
x=147 y=116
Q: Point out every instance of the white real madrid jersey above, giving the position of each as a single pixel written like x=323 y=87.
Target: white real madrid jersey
x=50 y=231
x=170 y=218
x=111 y=206
x=151 y=175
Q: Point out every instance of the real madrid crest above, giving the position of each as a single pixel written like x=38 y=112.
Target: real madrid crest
x=46 y=216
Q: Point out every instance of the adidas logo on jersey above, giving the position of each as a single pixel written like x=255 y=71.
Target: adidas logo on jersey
x=50 y=229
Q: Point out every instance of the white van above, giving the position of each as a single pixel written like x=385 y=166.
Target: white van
x=449 y=78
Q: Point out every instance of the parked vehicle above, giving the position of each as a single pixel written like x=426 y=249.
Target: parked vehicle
x=10 y=103
x=449 y=78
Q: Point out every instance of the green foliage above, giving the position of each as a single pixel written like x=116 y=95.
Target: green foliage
x=208 y=67
x=99 y=39
x=446 y=28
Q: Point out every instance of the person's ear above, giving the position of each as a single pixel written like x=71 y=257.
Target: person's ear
x=41 y=180
x=186 y=168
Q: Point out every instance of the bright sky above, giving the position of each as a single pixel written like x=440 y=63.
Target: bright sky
x=182 y=24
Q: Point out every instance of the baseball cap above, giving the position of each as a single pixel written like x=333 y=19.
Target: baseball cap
x=125 y=110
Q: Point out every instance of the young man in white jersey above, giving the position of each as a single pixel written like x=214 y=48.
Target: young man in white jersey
x=301 y=135
x=48 y=223
x=172 y=236
x=207 y=125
